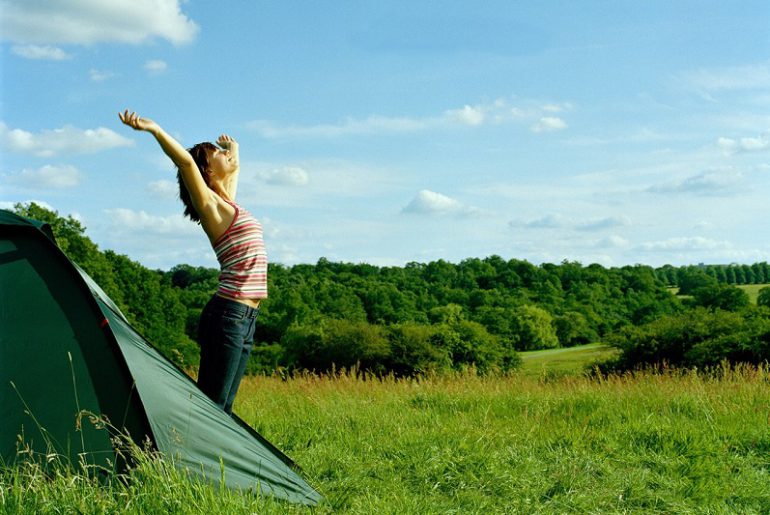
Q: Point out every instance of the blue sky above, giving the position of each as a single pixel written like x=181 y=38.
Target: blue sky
x=389 y=132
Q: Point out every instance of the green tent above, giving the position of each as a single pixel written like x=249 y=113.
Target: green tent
x=66 y=348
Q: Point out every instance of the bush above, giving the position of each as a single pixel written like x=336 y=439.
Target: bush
x=477 y=347
x=692 y=279
x=404 y=349
x=763 y=298
x=572 y=328
x=337 y=343
x=533 y=328
x=699 y=337
x=721 y=296
x=413 y=350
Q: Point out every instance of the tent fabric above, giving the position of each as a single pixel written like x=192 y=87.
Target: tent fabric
x=65 y=347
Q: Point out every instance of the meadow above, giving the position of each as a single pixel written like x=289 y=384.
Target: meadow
x=752 y=290
x=663 y=442
x=562 y=361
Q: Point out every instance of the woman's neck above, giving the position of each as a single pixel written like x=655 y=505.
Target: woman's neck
x=222 y=190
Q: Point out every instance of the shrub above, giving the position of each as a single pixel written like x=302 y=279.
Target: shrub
x=699 y=337
x=721 y=296
x=337 y=343
x=572 y=328
x=763 y=297
x=533 y=328
x=413 y=350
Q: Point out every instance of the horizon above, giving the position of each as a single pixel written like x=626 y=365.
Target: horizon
x=458 y=262
x=617 y=134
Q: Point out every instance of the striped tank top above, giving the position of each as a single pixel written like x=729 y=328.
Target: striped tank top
x=242 y=258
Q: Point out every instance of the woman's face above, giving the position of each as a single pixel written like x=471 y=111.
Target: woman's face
x=221 y=162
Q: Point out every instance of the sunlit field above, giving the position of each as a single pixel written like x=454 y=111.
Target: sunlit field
x=751 y=289
x=566 y=360
x=647 y=443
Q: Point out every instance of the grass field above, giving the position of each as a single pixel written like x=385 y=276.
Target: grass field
x=751 y=289
x=564 y=361
x=644 y=443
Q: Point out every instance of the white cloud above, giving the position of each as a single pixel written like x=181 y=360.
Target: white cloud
x=730 y=78
x=163 y=189
x=493 y=113
x=155 y=66
x=703 y=225
x=598 y=224
x=4 y=204
x=48 y=176
x=613 y=241
x=286 y=176
x=684 y=244
x=370 y=125
x=549 y=124
x=731 y=146
x=501 y=111
x=468 y=115
x=557 y=108
x=86 y=22
x=558 y=221
x=100 y=75
x=66 y=140
x=711 y=182
x=40 y=52
x=428 y=202
x=545 y=222
x=128 y=220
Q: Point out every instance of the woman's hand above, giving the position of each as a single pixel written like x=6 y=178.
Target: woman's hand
x=134 y=121
x=226 y=142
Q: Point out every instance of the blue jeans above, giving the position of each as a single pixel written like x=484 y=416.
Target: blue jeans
x=226 y=335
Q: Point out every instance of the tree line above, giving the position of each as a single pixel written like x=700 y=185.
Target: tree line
x=411 y=319
x=758 y=273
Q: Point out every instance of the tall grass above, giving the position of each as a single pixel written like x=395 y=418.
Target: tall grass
x=664 y=442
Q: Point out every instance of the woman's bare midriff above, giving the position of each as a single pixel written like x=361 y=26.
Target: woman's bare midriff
x=252 y=303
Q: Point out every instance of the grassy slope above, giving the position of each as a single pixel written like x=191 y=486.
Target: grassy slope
x=668 y=443
x=753 y=290
x=568 y=360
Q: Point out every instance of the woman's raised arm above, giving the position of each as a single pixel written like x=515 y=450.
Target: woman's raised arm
x=200 y=193
x=231 y=181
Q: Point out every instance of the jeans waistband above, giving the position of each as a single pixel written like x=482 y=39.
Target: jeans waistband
x=234 y=306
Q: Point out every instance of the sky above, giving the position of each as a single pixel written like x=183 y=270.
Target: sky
x=610 y=132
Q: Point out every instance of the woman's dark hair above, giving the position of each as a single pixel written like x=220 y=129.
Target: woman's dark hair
x=200 y=154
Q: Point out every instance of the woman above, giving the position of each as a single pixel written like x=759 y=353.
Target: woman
x=208 y=180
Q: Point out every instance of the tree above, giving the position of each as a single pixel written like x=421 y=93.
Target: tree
x=721 y=296
x=667 y=275
x=740 y=277
x=533 y=328
x=154 y=308
x=450 y=314
x=698 y=337
x=748 y=274
x=476 y=346
x=328 y=343
x=763 y=298
x=692 y=278
x=572 y=328
x=71 y=239
x=412 y=350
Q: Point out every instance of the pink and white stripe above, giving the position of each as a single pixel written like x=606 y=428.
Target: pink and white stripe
x=242 y=258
